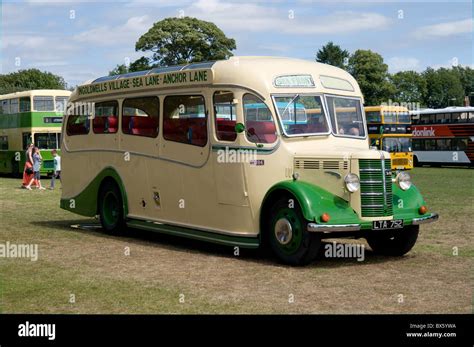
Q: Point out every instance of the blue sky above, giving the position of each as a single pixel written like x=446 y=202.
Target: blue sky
x=86 y=39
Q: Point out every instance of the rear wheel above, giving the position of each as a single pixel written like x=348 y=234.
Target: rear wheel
x=287 y=234
x=416 y=163
x=394 y=244
x=111 y=208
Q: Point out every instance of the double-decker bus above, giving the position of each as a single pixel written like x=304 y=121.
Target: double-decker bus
x=33 y=116
x=389 y=129
x=443 y=136
x=161 y=153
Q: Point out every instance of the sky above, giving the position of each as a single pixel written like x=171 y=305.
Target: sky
x=83 y=40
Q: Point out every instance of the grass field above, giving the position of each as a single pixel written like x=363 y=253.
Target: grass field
x=163 y=274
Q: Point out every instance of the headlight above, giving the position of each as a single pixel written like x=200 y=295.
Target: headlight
x=352 y=182
x=404 y=180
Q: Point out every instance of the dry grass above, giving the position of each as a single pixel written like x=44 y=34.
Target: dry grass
x=94 y=267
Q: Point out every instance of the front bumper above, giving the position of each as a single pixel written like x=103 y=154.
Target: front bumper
x=425 y=219
x=329 y=228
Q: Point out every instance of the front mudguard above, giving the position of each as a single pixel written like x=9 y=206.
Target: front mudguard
x=314 y=201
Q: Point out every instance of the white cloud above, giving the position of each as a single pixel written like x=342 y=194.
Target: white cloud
x=341 y=22
x=126 y=34
x=396 y=64
x=259 y=18
x=451 y=63
x=23 y=41
x=445 y=29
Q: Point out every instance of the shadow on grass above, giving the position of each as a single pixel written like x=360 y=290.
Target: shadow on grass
x=186 y=245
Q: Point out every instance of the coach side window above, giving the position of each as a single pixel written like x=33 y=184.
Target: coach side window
x=185 y=119
x=141 y=116
x=225 y=115
x=105 y=117
x=259 y=123
x=78 y=121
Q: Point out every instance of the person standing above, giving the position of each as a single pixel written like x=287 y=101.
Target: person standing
x=37 y=159
x=28 y=168
x=57 y=168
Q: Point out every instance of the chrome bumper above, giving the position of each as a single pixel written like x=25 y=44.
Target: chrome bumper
x=328 y=228
x=427 y=219
x=323 y=228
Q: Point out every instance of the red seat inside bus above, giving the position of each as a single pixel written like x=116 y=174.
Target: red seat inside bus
x=226 y=129
x=186 y=130
x=142 y=126
x=261 y=131
x=102 y=125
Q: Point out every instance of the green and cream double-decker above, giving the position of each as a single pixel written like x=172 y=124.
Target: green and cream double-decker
x=246 y=152
x=33 y=116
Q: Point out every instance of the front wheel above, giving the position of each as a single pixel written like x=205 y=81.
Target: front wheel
x=287 y=234
x=394 y=244
x=111 y=208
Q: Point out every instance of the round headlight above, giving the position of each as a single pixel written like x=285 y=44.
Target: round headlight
x=404 y=180
x=352 y=182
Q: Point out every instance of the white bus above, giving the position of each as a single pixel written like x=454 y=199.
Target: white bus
x=443 y=136
x=202 y=151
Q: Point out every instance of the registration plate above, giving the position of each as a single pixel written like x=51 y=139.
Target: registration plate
x=387 y=224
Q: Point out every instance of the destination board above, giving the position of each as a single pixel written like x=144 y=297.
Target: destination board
x=163 y=80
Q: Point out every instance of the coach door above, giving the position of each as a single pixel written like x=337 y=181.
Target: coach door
x=228 y=157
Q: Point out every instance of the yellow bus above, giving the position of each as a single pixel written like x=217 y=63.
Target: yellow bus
x=247 y=152
x=390 y=130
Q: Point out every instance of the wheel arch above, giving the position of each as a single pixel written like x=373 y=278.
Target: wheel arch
x=86 y=202
x=313 y=200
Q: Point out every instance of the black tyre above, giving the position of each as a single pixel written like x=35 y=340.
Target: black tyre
x=416 y=163
x=394 y=243
x=287 y=235
x=111 y=208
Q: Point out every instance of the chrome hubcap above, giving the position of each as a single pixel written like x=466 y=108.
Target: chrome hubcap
x=283 y=231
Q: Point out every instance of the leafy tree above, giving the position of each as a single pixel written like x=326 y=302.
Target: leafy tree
x=409 y=86
x=119 y=70
x=444 y=88
x=138 y=65
x=333 y=55
x=371 y=73
x=466 y=76
x=175 y=41
x=30 y=79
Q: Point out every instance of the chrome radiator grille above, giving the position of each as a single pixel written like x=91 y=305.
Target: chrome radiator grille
x=376 y=187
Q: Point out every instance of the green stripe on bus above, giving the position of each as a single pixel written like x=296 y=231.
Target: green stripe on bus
x=30 y=119
x=85 y=203
x=242 y=148
x=209 y=236
x=10 y=165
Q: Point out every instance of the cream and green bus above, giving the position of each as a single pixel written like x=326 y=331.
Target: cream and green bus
x=247 y=152
x=33 y=116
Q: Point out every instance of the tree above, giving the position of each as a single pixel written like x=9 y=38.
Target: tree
x=119 y=70
x=466 y=76
x=138 y=65
x=444 y=88
x=30 y=79
x=371 y=73
x=175 y=41
x=409 y=87
x=333 y=55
